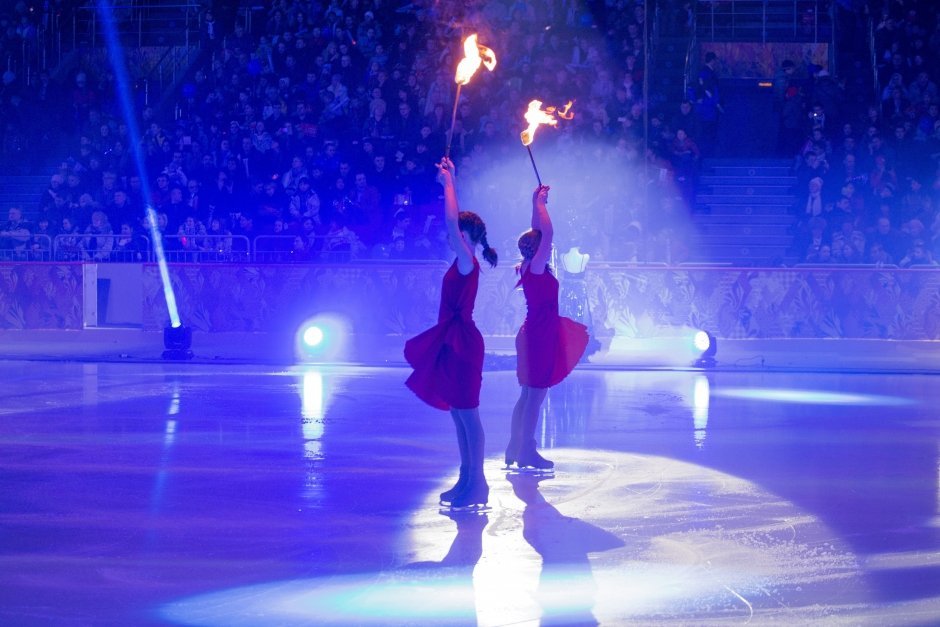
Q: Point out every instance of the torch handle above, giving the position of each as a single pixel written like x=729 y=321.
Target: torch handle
x=453 y=121
x=532 y=159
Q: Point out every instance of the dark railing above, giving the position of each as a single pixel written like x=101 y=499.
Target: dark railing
x=206 y=248
x=16 y=247
x=148 y=24
x=765 y=20
x=873 y=48
x=100 y=248
x=316 y=249
x=689 y=55
x=59 y=32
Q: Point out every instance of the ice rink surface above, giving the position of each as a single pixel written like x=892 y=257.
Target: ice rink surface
x=234 y=494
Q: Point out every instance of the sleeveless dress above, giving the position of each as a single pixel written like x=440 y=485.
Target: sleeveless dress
x=548 y=345
x=448 y=358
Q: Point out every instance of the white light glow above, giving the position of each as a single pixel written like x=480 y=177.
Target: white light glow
x=174 y=407
x=701 y=396
x=157 y=240
x=322 y=338
x=701 y=341
x=313 y=336
x=618 y=538
x=169 y=433
x=810 y=397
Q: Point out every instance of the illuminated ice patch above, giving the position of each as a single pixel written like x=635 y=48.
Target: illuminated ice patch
x=809 y=397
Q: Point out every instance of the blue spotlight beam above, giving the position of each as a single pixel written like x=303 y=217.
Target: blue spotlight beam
x=122 y=86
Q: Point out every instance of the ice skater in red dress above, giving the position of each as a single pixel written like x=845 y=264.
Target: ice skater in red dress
x=548 y=345
x=448 y=358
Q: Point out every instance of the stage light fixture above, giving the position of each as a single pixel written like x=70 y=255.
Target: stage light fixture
x=313 y=336
x=177 y=342
x=322 y=338
x=708 y=345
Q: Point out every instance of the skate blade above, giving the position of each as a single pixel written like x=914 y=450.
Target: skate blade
x=466 y=509
x=529 y=470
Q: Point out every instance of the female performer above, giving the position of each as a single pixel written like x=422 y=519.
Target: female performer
x=448 y=358
x=548 y=346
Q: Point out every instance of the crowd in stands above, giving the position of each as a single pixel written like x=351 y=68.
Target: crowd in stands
x=319 y=128
x=313 y=136
x=868 y=179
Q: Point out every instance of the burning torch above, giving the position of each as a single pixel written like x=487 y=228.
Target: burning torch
x=536 y=116
x=474 y=56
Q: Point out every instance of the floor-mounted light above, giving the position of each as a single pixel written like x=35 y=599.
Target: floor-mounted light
x=177 y=342
x=708 y=345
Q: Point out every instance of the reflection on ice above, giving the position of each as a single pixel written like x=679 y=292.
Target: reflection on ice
x=810 y=397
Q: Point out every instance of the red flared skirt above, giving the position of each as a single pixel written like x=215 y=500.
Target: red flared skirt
x=448 y=365
x=548 y=350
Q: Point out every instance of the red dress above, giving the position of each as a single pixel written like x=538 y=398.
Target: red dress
x=548 y=345
x=448 y=358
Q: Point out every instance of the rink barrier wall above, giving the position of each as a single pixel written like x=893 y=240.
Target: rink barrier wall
x=402 y=298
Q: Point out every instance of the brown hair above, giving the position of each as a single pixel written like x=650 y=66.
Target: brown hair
x=476 y=229
x=528 y=245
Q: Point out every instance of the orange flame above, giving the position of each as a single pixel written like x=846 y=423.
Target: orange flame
x=536 y=116
x=566 y=113
x=474 y=56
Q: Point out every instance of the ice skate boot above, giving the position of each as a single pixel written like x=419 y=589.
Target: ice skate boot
x=448 y=495
x=474 y=498
x=529 y=460
x=512 y=452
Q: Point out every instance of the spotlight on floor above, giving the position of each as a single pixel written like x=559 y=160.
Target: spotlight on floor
x=708 y=345
x=177 y=341
x=321 y=339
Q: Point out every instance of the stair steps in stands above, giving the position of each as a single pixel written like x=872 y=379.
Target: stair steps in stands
x=743 y=212
x=23 y=192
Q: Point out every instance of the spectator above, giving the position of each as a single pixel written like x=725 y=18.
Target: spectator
x=918 y=255
x=708 y=102
x=922 y=86
x=129 y=245
x=296 y=172
x=219 y=198
x=218 y=240
x=83 y=99
x=366 y=199
x=685 y=155
x=192 y=236
x=812 y=240
x=878 y=255
x=40 y=247
x=98 y=241
x=68 y=243
x=813 y=207
x=121 y=208
x=340 y=242
x=14 y=236
x=888 y=238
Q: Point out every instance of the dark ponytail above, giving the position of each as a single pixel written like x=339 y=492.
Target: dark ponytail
x=489 y=254
x=474 y=226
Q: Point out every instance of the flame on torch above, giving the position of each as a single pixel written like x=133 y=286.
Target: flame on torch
x=474 y=56
x=536 y=116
